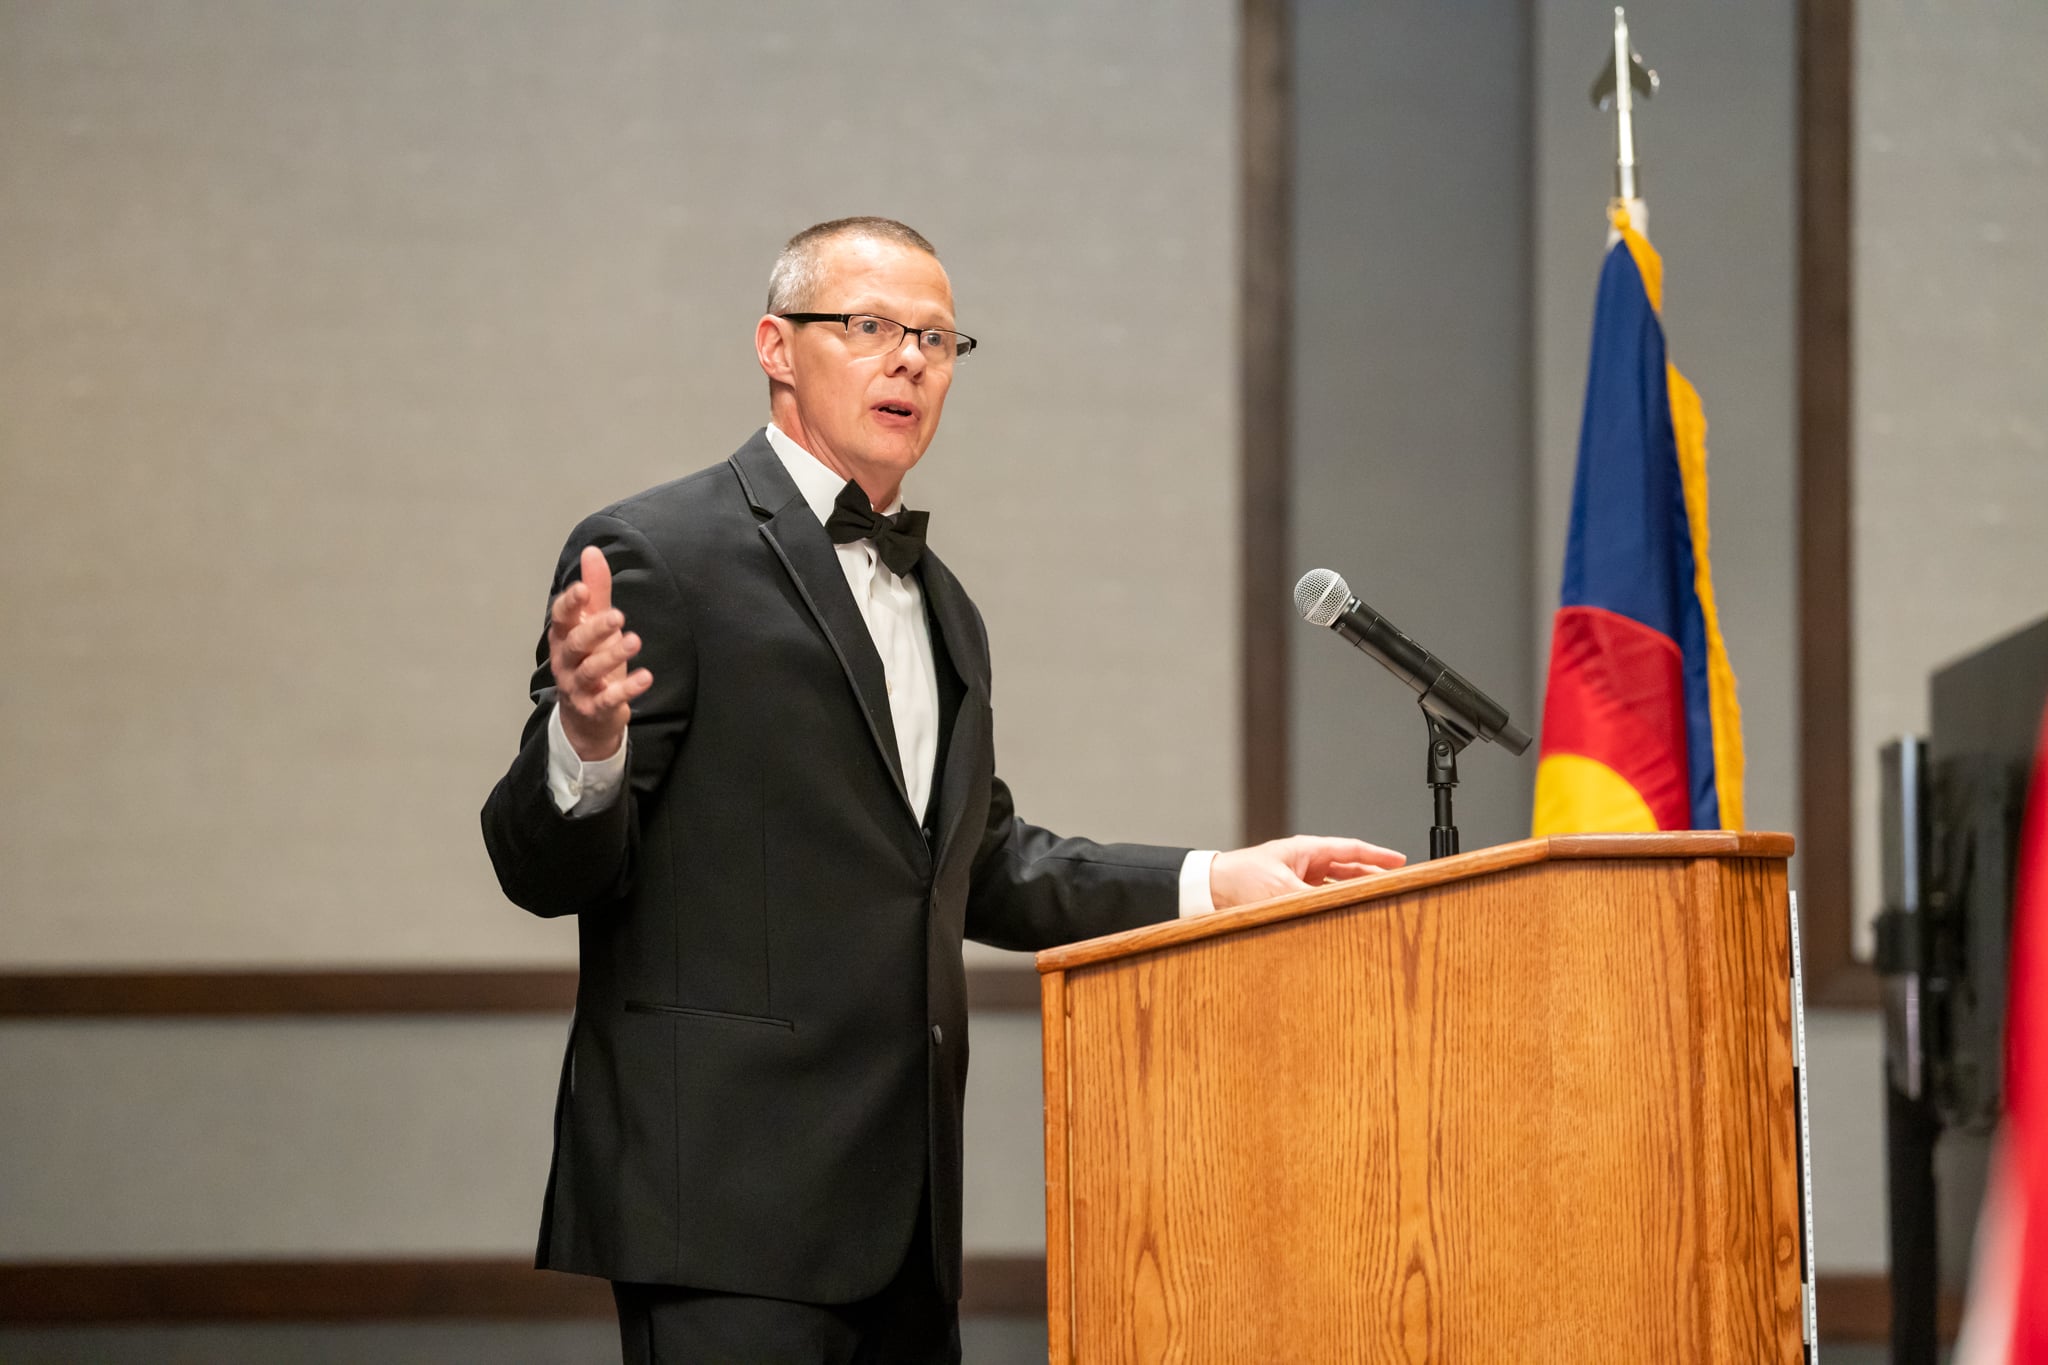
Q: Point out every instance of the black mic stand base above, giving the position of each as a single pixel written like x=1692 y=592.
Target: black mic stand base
x=1446 y=742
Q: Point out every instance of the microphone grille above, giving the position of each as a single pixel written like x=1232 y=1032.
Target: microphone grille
x=1320 y=596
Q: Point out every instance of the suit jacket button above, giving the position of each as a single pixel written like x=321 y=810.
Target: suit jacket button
x=938 y=1035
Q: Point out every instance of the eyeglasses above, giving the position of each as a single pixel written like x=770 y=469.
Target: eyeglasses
x=868 y=334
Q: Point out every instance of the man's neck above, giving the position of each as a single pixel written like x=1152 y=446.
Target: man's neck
x=819 y=483
x=883 y=487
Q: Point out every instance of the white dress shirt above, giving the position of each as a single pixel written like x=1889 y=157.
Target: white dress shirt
x=892 y=605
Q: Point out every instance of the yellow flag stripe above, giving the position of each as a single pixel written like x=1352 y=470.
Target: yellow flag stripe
x=1689 y=423
x=1580 y=795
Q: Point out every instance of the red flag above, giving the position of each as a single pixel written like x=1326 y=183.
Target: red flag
x=2026 y=1062
x=2007 y=1321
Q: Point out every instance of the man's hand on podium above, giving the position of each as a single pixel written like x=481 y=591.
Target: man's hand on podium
x=1280 y=867
x=588 y=646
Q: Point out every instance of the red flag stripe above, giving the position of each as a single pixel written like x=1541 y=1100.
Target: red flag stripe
x=1617 y=695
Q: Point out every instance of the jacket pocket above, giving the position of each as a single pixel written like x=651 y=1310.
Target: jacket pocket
x=653 y=1007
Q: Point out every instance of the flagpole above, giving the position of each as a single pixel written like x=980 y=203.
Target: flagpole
x=1624 y=114
x=1616 y=87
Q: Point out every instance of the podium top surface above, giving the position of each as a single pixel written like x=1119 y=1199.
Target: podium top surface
x=1417 y=877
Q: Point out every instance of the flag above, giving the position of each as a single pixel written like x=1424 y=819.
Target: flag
x=1641 y=729
x=2006 y=1319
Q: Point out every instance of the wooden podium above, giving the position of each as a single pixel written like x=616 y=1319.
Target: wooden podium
x=1533 y=1103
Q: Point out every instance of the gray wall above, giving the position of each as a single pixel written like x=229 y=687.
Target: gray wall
x=1951 y=400
x=381 y=1137
x=1411 y=397
x=322 y=323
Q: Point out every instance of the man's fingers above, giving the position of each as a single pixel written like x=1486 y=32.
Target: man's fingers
x=1317 y=859
x=597 y=578
x=593 y=633
x=1344 y=872
x=1359 y=851
x=567 y=608
x=570 y=649
x=624 y=690
x=1327 y=850
x=607 y=705
x=597 y=668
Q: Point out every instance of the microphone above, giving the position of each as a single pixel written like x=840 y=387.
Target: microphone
x=1324 y=599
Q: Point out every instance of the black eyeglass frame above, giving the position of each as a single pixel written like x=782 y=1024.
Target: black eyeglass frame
x=963 y=344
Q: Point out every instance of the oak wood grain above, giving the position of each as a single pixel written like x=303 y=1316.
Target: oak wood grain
x=1533 y=1107
x=1058 y=1232
x=1417 y=876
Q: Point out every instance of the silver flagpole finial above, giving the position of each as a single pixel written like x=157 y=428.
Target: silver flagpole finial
x=1610 y=91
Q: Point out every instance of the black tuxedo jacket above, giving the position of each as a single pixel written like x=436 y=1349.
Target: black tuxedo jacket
x=770 y=1042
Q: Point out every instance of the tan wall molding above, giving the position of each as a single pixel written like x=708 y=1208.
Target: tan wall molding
x=1852 y=1308
x=50 y=1293
x=1824 y=465
x=220 y=994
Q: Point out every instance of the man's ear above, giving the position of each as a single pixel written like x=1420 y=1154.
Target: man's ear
x=773 y=339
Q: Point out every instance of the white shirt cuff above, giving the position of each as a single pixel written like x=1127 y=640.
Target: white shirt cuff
x=580 y=788
x=1194 y=883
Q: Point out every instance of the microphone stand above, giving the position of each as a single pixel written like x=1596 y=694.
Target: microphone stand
x=1446 y=742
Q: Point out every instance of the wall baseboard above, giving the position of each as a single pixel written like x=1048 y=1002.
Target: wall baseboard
x=222 y=994
x=107 y=1292
x=1852 y=1308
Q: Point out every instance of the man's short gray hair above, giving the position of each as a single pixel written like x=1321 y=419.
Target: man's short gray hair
x=793 y=283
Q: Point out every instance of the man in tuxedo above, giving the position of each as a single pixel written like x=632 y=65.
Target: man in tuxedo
x=760 y=770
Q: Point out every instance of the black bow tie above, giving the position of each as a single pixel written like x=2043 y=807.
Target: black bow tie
x=898 y=539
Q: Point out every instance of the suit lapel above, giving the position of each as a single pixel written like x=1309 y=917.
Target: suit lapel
x=792 y=530
x=960 y=637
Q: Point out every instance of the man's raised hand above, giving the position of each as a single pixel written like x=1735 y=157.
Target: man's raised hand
x=588 y=648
